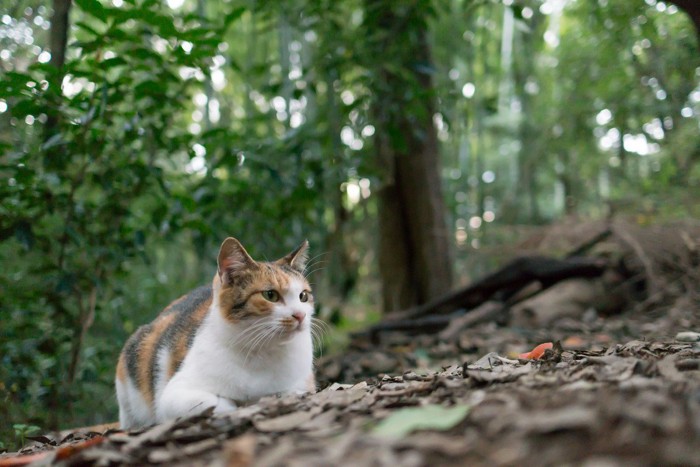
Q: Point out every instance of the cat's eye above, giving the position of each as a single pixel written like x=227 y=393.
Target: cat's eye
x=304 y=296
x=271 y=295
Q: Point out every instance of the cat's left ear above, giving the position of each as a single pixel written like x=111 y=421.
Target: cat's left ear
x=297 y=258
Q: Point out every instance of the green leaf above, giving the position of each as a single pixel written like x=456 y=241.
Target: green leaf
x=234 y=15
x=119 y=15
x=163 y=24
x=149 y=88
x=13 y=80
x=112 y=62
x=25 y=107
x=87 y=28
x=94 y=8
x=428 y=417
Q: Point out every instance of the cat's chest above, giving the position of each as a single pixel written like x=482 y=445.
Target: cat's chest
x=237 y=375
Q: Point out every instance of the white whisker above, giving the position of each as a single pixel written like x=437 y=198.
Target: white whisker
x=251 y=330
x=307 y=274
x=311 y=263
x=319 y=329
x=257 y=342
x=251 y=333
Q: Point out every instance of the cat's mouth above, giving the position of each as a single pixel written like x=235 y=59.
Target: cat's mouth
x=291 y=325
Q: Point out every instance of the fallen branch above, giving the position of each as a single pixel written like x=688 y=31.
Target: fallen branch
x=590 y=243
x=506 y=282
x=425 y=325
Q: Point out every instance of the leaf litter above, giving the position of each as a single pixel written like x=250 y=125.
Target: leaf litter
x=629 y=403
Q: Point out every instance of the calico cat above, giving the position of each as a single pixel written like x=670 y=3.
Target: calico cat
x=246 y=336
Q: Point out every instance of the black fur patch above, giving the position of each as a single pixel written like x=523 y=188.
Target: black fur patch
x=288 y=269
x=242 y=280
x=131 y=351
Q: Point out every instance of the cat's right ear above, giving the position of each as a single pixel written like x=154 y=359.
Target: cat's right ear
x=232 y=259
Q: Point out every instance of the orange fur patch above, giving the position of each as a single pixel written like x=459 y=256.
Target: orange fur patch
x=121 y=368
x=147 y=349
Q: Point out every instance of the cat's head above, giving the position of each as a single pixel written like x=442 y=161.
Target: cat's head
x=273 y=296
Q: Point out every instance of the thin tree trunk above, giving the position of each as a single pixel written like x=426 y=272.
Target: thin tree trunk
x=530 y=150
x=58 y=35
x=58 y=43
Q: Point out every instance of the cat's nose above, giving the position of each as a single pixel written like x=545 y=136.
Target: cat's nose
x=299 y=316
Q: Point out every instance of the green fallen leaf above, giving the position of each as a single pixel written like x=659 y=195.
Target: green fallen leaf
x=429 y=417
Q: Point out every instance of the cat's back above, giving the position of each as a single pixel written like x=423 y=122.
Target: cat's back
x=154 y=353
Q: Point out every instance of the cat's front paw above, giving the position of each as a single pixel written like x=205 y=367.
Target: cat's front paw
x=224 y=405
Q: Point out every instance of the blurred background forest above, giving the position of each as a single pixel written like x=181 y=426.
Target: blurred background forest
x=135 y=135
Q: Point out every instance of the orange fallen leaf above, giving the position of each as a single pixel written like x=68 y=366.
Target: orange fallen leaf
x=537 y=352
x=61 y=453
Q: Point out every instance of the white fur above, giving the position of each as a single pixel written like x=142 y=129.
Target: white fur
x=163 y=365
x=230 y=362
x=133 y=409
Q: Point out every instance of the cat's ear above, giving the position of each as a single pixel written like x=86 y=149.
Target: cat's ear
x=297 y=258
x=232 y=259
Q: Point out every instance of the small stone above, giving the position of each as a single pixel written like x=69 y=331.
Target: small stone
x=688 y=336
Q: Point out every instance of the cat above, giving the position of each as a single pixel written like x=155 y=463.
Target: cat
x=246 y=336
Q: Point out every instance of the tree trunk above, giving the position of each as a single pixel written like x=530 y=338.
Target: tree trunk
x=526 y=207
x=59 y=32
x=414 y=253
x=58 y=42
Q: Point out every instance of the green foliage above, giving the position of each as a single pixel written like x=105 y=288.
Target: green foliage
x=22 y=431
x=81 y=198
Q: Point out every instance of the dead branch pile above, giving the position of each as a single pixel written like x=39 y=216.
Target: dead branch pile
x=626 y=265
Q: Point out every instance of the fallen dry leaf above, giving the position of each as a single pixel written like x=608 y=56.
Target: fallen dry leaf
x=537 y=352
x=287 y=422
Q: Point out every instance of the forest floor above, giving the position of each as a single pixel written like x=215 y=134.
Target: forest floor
x=622 y=389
